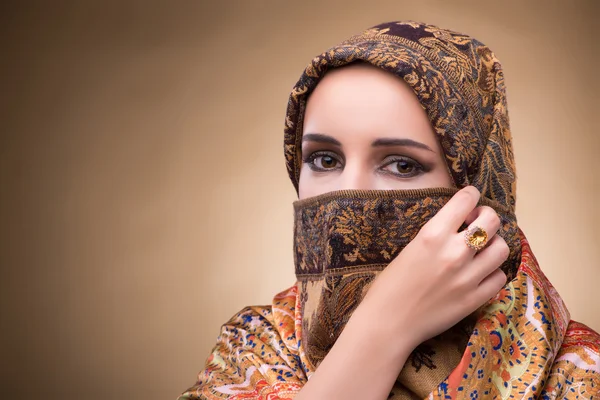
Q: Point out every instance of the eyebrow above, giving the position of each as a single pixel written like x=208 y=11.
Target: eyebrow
x=321 y=138
x=400 y=142
x=381 y=142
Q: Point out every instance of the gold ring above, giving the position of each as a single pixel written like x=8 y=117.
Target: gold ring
x=476 y=237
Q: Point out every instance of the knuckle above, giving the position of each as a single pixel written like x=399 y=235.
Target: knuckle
x=501 y=248
x=466 y=282
x=488 y=210
x=465 y=195
x=490 y=214
x=430 y=234
x=453 y=260
x=502 y=278
x=499 y=280
x=468 y=194
x=473 y=191
x=504 y=249
x=449 y=262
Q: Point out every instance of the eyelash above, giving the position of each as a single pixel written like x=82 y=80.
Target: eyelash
x=310 y=160
x=418 y=168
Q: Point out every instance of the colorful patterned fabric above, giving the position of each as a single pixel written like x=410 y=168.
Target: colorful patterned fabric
x=521 y=344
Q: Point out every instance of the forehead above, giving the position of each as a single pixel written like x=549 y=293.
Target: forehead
x=364 y=100
x=359 y=81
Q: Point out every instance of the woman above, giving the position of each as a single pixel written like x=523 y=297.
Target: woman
x=414 y=279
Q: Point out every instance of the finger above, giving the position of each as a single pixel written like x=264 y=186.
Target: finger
x=485 y=212
x=490 y=286
x=454 y=213
x=486 y=218
x=490 y=258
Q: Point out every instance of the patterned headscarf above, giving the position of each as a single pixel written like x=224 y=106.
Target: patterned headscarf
x=458 y=81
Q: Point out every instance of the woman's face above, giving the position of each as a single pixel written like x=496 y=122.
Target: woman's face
x=364 y=128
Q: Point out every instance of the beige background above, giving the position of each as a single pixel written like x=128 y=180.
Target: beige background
x=144 y=198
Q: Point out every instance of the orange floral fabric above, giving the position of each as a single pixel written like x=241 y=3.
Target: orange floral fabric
x=524 y=345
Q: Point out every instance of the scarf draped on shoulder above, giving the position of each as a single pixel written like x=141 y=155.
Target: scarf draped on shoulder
x=521 y=344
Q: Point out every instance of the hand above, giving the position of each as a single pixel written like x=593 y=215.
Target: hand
x=437 y=280
x=433 y=283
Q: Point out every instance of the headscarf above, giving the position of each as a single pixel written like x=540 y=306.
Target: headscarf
x=520 y=344
x=458 y=81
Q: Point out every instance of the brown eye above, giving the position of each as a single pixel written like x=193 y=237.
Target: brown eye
x=323 y=161
x=402 y=167
x=327 y=162
x=405 y=167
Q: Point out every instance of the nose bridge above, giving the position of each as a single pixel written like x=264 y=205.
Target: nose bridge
x=357 y=177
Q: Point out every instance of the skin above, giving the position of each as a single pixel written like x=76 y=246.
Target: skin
x=365 y=129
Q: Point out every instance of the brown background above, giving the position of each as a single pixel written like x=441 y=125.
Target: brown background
x=144 y=198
